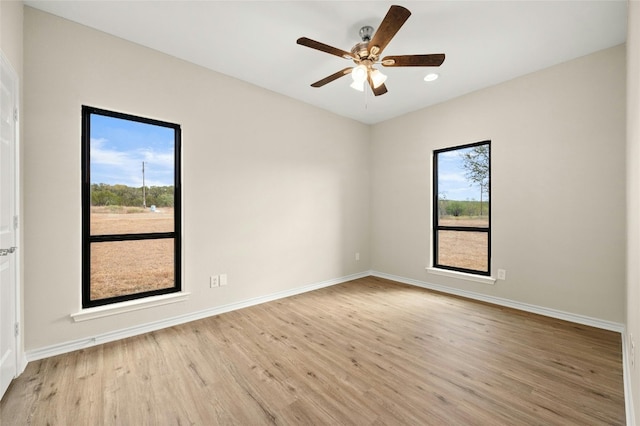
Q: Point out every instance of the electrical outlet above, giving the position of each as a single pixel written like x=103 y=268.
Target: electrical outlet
x=357 y=256
x=502 y=274
x=214 y=281
x=223 y=279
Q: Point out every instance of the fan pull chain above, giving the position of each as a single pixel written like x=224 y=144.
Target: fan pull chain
x=366 y=98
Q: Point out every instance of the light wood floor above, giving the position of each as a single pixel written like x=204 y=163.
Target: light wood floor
x=367 y=352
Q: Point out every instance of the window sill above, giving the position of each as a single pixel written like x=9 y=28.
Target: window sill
x=462 y=276
x=129 y=306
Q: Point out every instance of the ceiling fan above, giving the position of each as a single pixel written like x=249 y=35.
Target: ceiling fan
x=367 y=53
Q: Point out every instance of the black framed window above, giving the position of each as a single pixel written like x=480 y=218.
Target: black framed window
x=131 y=239
x=462 y=208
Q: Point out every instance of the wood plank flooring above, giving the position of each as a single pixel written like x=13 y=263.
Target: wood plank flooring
x=367 y=352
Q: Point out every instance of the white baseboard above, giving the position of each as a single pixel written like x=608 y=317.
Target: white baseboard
x=548 y=312
x=62 y=348
x=58 y=349
x=22 y=363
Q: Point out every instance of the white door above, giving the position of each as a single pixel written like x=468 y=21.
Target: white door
x=8 y=224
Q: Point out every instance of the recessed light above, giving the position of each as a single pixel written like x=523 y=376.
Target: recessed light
x=431 y=77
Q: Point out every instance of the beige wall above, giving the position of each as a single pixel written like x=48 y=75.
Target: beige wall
x=558 y=186
x=633 y=197
x=276 y=193
x=11 y=32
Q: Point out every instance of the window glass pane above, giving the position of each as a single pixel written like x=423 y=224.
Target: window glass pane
x=127 y=267
x=463 y=249
x=463 y=187
x=132 y=176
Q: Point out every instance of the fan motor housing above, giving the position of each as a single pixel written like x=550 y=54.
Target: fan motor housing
x=361 y=50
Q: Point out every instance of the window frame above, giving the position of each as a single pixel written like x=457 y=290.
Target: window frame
x=88 y=239
x=436 y=227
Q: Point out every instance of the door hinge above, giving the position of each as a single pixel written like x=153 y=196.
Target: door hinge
x=17 y=329
x=15 y=114
x=15 y=222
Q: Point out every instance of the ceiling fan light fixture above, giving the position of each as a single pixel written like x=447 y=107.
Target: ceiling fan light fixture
x=377 y=78
x=431 y=77
x=358 y=85
x=359 y=74
x=366 y=54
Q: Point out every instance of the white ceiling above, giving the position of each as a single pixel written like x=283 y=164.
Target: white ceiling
x=485 y=42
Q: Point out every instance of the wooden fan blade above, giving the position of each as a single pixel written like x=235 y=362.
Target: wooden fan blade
x=304 y=41
x=394 y=19
x=381 y=90
x=434 y=60
x=332 y=77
